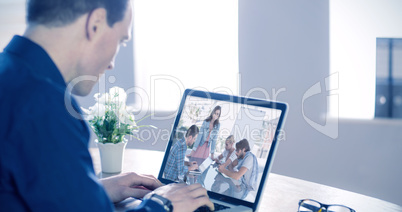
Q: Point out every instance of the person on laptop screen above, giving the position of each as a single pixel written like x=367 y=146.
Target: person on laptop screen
x=176 y=168
x=229 y=154
x=206 y=141
x=244 y=170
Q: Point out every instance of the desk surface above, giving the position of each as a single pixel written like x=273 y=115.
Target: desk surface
x=281 y=193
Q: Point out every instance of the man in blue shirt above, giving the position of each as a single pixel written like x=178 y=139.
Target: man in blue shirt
x=45 y=164
x=175 y=165
x=246 y=172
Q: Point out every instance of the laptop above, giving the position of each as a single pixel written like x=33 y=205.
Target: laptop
x=256 y=122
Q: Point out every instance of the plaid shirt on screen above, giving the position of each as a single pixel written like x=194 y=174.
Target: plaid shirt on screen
x=175 y=163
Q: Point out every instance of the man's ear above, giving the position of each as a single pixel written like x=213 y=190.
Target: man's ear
x=96 y=21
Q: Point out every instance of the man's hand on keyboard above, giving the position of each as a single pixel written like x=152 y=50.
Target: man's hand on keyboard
x=185 y=197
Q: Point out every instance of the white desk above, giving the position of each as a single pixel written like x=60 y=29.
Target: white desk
x=281 y=193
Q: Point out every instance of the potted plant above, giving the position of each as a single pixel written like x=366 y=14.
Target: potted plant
x=111 y=120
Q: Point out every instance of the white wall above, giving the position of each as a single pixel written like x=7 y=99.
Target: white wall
x=285 y=44
x=12 y=20
x=355 y=25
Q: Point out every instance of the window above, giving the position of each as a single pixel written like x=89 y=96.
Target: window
x=389 y=78
x=182 y=44
x=354 y=29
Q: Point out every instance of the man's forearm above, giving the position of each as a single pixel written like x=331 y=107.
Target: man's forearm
x=232 y=174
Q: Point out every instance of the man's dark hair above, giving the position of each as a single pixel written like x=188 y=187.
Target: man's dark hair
x=193 y=131
x=55 y=13
x=243 y=144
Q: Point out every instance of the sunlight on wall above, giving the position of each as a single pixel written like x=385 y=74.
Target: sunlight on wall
x=182 y=44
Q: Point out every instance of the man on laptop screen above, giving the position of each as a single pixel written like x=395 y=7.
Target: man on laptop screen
x=176 y=167
x=244 y=170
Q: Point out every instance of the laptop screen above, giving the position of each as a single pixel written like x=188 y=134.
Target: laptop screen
x=223 y=142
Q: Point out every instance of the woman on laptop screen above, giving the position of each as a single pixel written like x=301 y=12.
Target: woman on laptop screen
x=206 y=139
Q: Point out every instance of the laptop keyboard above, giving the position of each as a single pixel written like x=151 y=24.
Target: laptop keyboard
x=218 y=207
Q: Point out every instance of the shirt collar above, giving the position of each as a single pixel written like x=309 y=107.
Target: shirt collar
x=38 y=61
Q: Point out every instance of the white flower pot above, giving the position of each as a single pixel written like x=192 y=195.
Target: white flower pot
x=111 y=156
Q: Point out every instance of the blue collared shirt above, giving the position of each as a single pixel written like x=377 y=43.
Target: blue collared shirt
x=203 y=135
x=45 y=164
